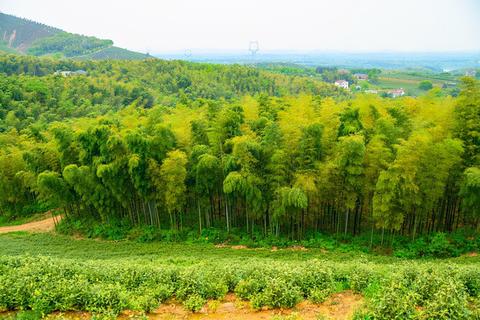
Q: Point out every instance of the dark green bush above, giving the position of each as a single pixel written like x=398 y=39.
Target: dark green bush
x=440 y=247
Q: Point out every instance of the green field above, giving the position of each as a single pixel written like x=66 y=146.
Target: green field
x=46 y=272
x=410 y=81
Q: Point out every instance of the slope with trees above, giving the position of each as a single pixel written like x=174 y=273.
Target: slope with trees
x=190 y=146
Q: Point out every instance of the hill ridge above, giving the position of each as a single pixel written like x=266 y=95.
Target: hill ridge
x=24 y=36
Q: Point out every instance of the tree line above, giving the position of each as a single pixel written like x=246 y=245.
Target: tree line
x=285 y=165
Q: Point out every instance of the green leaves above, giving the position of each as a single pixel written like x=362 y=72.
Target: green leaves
x=173 y=173
x=470 y=191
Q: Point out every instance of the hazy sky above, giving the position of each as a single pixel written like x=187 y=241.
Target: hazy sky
x=299 y=25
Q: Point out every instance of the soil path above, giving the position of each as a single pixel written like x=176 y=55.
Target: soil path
x=45 y=225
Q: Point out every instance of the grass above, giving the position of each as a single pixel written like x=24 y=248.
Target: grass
x=184 y=253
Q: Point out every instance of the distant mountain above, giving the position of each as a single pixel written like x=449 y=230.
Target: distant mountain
x=23 y=36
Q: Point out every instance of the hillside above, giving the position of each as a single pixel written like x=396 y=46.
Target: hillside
x=23 y=36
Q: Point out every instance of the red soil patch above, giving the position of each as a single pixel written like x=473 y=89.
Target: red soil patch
x=339 y=306
x=239 y=247
x=297 y=248
x=471 y=254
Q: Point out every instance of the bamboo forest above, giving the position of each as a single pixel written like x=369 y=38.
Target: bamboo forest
x=234 y=148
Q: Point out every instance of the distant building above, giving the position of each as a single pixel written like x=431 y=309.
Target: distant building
x=396 y=93
x=343 y=71
x=67 y=73
x=342 y=84
x=80 y=72
x=470 y=73
x=447 y=85
x=361 y=76
x=62 y=73
x=371 y=91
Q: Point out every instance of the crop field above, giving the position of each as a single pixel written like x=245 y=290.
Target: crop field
x=410 y=84
x=42 y=274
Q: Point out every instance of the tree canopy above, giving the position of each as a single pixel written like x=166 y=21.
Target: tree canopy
x=184 y=145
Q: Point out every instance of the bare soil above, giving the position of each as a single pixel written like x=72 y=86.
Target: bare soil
x=339 y=306
x=45 y=225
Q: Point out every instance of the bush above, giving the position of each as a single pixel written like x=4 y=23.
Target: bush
x=440 y=247
x=425 y=85
x=278 y=293
x=471 y=281
x=194 y=302
x=449 y=302
x=394 y=301
x=319 y=295
x=400 y=291
x=206 y=284
x=106 y=298
x=361 y=278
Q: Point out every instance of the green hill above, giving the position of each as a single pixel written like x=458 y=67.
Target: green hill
x=23 y=36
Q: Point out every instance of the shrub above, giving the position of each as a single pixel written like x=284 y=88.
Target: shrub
x=360 y=279
x=207 y=284
x=449 y=302
x=194 y=302
x=106 y=298
x=471 y=281
x=319 y=295
x=440 y=247
x=278 y=293
x=394 y=301
x=399 y=291
x=314 y=277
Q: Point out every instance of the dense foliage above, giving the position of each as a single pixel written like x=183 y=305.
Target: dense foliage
x=23 y=36
x=409 y=291
x=183 y=145
x=68 y=44
x=19 y=33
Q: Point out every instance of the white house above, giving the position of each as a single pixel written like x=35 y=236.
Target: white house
x=342 y=84
x=396 y=93
x=68 y=73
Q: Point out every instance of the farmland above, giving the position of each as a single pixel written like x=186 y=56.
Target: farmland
x=391 y=79
x=46 y=273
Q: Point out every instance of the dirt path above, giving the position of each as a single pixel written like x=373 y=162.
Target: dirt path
x=45 y=225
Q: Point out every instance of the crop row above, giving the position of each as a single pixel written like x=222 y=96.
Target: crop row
x=401 y=291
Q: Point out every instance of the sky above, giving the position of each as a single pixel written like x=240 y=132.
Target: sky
x=161 y=26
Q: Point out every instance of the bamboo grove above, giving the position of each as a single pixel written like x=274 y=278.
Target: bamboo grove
x=277 y=163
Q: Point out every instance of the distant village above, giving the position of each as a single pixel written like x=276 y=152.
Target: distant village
x=358 y=77
x=362 y=81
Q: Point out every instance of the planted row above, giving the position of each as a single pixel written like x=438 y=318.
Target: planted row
x=408 y=291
